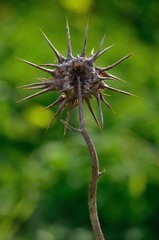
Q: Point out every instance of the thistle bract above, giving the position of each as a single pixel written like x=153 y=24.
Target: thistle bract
x=67 y=71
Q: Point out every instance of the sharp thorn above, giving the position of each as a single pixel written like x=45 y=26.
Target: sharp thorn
x=101 y=44
x=68 y=40
x=108 y=76
x=62 y=105
x=28 y=86
x=104 y=50
x=93 y=114
x=100 y=108
x=118 y=90
x=60 y=58
x=34 y=95
x=106 y=103
x=59 y=100
x=93 y=58
x=67 y=120
x=118 y=62
x=83 y=53
x=112 y=77
x=37 y=66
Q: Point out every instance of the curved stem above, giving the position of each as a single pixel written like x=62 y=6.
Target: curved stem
x=93 y=188
x=95 y=170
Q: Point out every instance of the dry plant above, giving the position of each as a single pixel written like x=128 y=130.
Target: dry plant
x=78 y=80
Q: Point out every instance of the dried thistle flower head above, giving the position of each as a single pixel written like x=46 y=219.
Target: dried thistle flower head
x=65 y=75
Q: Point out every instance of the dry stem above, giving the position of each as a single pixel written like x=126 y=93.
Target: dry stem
x=95 y=168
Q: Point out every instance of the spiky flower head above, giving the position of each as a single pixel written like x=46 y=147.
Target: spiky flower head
x=66 y=74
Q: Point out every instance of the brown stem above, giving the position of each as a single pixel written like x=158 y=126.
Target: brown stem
x=95 y=171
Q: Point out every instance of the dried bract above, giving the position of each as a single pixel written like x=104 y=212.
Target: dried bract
x=64 y=77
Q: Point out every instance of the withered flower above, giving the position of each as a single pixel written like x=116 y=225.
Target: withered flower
x=65 y=75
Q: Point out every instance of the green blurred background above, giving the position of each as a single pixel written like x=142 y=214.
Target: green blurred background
x=44 y=177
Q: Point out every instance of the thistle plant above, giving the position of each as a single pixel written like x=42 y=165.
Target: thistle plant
x=78 y=80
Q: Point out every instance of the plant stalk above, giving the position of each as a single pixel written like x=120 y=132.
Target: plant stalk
x=95 y=170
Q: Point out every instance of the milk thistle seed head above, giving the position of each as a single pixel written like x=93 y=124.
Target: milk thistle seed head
x=65 y=75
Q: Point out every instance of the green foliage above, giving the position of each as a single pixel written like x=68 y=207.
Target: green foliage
x=44 y=177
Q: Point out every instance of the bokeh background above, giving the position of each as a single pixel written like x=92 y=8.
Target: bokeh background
x=44 y=177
